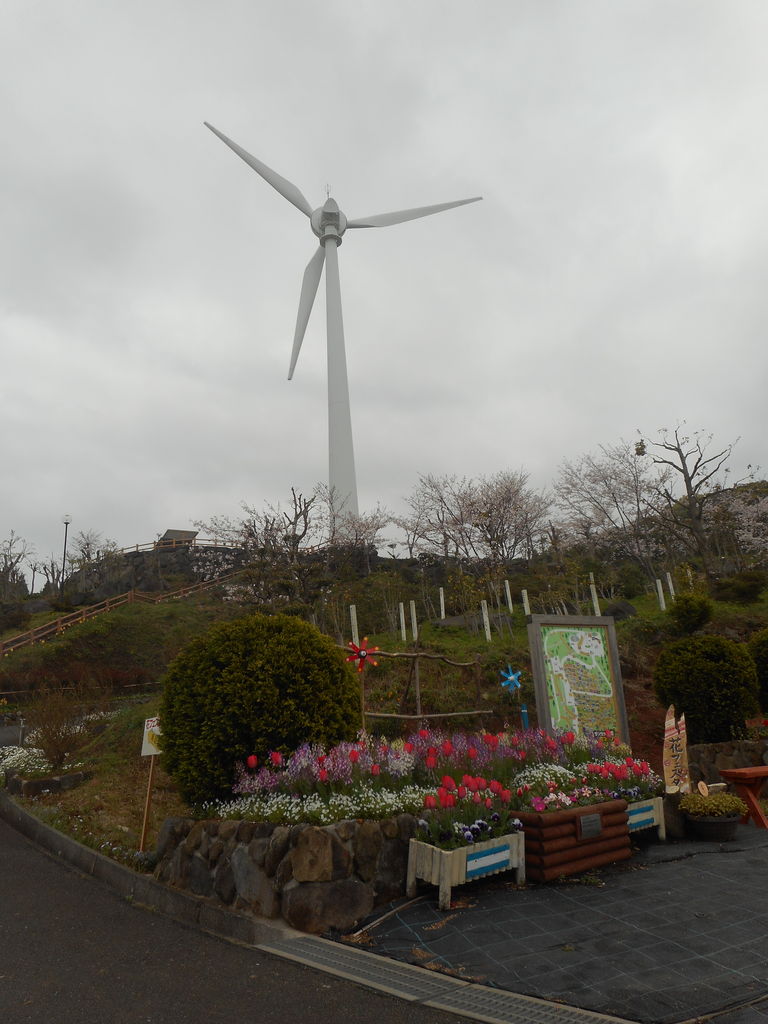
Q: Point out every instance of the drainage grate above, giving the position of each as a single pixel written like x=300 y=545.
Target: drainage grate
x=476 y=1002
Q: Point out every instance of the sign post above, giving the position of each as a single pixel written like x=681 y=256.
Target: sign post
x=150 y=747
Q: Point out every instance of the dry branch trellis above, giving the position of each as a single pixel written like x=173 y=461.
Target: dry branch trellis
x=414 y=679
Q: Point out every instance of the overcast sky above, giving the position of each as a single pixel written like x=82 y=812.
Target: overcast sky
x=613 y=278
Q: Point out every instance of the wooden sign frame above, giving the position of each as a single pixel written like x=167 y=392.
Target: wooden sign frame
x=560 y=705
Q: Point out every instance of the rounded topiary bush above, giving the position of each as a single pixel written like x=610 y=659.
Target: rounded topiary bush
x=712 y=681
x=758 y=646
x=255 y=685
x=689 y=612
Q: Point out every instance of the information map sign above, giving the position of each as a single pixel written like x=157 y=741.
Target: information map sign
x=576 y=674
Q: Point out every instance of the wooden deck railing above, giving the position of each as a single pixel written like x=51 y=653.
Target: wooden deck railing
x=58 y=625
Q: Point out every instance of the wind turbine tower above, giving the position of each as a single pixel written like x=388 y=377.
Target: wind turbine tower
x=329 y=224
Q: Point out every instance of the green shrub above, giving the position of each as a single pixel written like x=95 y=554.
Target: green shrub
x=742 y=587
x=252 y=686
x=689 y=612
x=758 y=647
x=713 y=681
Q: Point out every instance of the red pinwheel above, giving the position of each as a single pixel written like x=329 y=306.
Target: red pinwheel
x=362 y=654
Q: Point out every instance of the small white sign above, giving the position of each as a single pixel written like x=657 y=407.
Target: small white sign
x=151 y=741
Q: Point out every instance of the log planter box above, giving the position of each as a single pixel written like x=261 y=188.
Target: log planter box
x=560 y=843
x=446 y=868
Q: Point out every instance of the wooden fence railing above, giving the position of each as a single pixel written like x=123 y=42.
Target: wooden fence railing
x=63 y=622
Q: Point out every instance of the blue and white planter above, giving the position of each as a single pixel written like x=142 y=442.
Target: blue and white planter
x=647 y=814
x=446 y=868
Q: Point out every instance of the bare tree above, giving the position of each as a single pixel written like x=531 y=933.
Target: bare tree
x=495 y=518
x=699 y=474
x=13 y=552
x=608 y=501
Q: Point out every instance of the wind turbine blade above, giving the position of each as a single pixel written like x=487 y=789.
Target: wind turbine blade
x=384 y=220
x=286 y=188
x=308 y=293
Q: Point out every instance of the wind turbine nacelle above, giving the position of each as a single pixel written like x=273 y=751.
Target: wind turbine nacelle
x=328 y=222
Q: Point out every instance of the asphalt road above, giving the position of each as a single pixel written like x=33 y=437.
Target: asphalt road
x=74 y=952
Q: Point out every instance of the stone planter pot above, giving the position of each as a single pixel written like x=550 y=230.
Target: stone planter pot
x=720 y=829
x=648 y=813
x=560 y=843
x=446 y=868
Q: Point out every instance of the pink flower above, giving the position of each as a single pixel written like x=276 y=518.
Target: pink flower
x=252 y=761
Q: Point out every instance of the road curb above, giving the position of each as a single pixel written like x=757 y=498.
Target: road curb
x=143 y=889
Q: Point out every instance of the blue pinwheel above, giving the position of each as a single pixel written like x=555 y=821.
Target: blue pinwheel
x=510 y=679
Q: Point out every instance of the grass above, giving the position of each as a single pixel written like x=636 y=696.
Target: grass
x=107 y=811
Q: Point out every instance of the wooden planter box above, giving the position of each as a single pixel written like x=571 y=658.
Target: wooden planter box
x=446 y=868
x=647 y=814
x=559 y=843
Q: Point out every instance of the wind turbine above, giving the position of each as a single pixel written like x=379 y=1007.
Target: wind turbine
x=329 y=224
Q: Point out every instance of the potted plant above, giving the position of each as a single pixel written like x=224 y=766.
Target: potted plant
x=713 y=816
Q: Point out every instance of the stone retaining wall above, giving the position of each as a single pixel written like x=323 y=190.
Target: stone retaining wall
x=706 y=759
x=315 y=878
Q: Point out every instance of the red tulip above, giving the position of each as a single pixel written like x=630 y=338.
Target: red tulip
x=429 y=801
x=276 y=758
x=408 y=747
x=461 y=792
x=375 y=769
x=423 y=733
x=354 y=755
x=448 y=782
x=476 y=798
x=430 y=762
x=447 y=747
x=323 y=775
x=471 y=753
x=252 y=761
x=569 y=738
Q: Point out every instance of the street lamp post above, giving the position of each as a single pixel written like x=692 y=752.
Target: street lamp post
x=67 y=520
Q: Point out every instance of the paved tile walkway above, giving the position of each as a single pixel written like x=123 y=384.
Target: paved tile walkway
x=678 y=932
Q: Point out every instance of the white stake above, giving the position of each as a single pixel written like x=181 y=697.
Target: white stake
x=414 y=623
x=508 y=595
x=526 y=606
x=486 y=620
x=595 y=602
x=402 y=621
x=670 y=584
x=442 y=603
x=353 y=621
x=660 y=595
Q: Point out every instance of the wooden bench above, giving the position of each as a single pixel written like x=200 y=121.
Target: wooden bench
x=748 y=783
